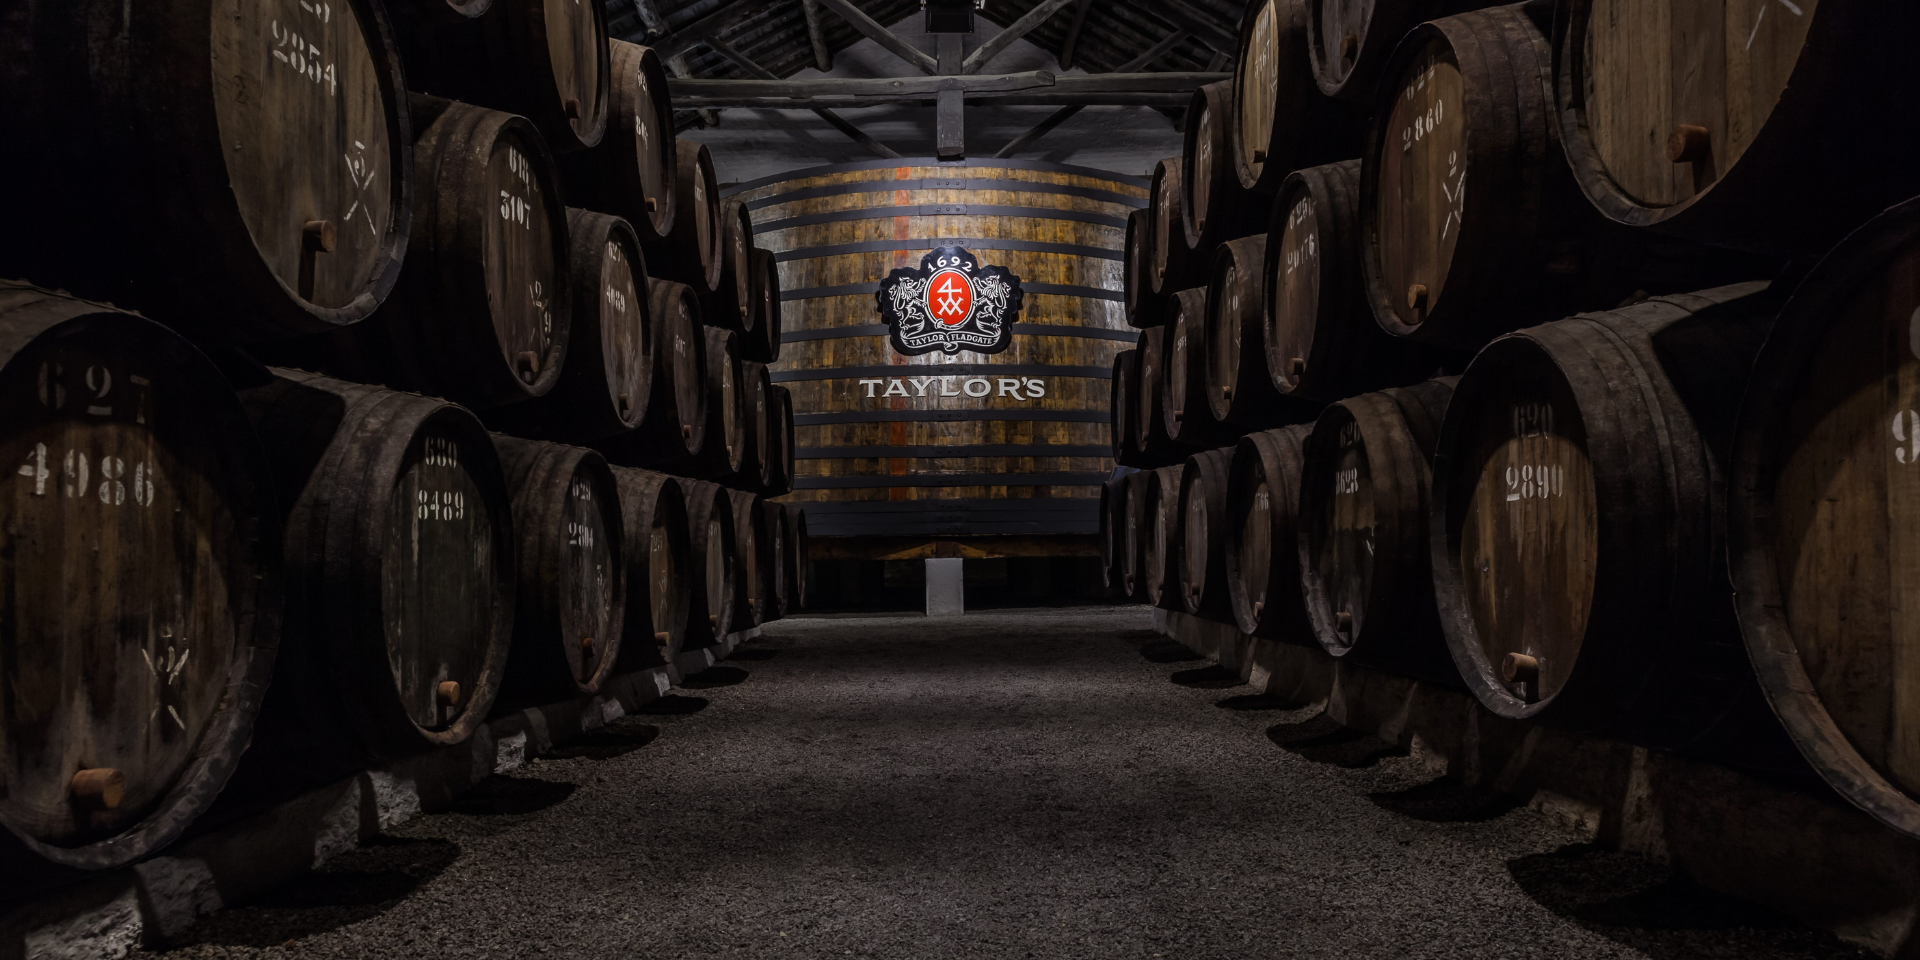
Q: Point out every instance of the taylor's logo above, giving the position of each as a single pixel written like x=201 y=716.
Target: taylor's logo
x=951 y=303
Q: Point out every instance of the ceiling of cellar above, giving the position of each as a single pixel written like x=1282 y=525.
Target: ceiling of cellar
x=773 y=33
x=1167 y=36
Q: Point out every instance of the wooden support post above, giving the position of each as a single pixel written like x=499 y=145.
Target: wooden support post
x=950 y=111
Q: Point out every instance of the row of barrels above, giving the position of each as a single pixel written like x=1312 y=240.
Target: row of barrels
x=470 y=201
x=1651 y=156
x=195 y=542
x=1651 y=523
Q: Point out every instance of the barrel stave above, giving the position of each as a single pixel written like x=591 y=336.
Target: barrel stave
x=1186 y=413
x=692 y=254
x=1280 y=122
x=714 y=583
x=1201 y=560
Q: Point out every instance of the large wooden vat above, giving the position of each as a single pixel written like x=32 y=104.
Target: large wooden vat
x=943 y=444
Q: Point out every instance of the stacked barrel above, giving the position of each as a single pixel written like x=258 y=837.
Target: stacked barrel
x=1448 y=368
x=506 y=449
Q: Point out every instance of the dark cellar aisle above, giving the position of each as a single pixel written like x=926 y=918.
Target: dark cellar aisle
x=1015 y=784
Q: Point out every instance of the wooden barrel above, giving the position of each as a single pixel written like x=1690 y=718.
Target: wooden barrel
x=1280 y=122
x=143 y=561
x=1823 y=463
x=1215 y=208
x=1135 y=531
x=1173 y=266
x=1160 y=553
x=1150 y=397
x=757 y=429
x=768 y=328
x=1201 y=559
x=1004 y=433
x=1362 y=538
x=1113 y=514
x=1238 y=389
x=400 y=563
x=732 y=304
x=723 y=446
x=1350 y=43
x=780 y=464
x=675 y=427
x=1321 y=340
x=692 y=254
x=797 y=556
x=656 y=558
x=1467 y=100
x=715 y=571
x=1578 y=518
x=1262 y=527
x=272 y=187
x=1143 y=307
x=573 y=589
x=545 y=60
x=630 y=173
x=1714 y=120
x=603 y=389
x=481 y=316
x=1185 y=410
x=1123 y=433
x=773 y=560
x=750 y=541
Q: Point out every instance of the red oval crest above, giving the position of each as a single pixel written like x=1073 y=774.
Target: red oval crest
x=949 y=297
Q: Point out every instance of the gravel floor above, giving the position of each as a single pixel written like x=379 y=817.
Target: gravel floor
x=1051 y=783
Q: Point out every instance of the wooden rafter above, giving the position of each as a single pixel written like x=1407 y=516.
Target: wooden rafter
x=840 y=123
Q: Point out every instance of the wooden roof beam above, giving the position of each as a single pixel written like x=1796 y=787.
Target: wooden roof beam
x=1020 y=28
x=879 y=34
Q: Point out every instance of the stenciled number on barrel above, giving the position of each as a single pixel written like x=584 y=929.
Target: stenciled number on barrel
x=440 y=504
x=1906 y=430
x=1533 y=481
x=1304 y=247
x=303 y=55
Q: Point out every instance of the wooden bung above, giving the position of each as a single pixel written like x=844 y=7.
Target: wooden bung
x=1519 y=668
x=449 y=693
x=99 y=788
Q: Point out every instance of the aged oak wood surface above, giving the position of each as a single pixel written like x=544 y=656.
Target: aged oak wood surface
x=836 y=235
x=545 y=60
x=267 y=144
x=692 y=254
x=1281 y=123
x=655 y=552
x=140 y=585
x=604 y=388
x=675 y=426
x=1471 y=222
x=1321 y=340
x=1578 y=508
x=1172 y=266
x=572 y=585
x=714 y=569
x=1363 y=530
x=400 y=563
x=1216 y=207
x=1704 y=118
x=750 y=541
x=1262 y=524
x=1201 y=562
x=1823 y=486
x=1186 y=415
x=631 y=172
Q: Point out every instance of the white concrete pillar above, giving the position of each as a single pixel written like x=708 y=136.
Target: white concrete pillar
x=946 y=588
